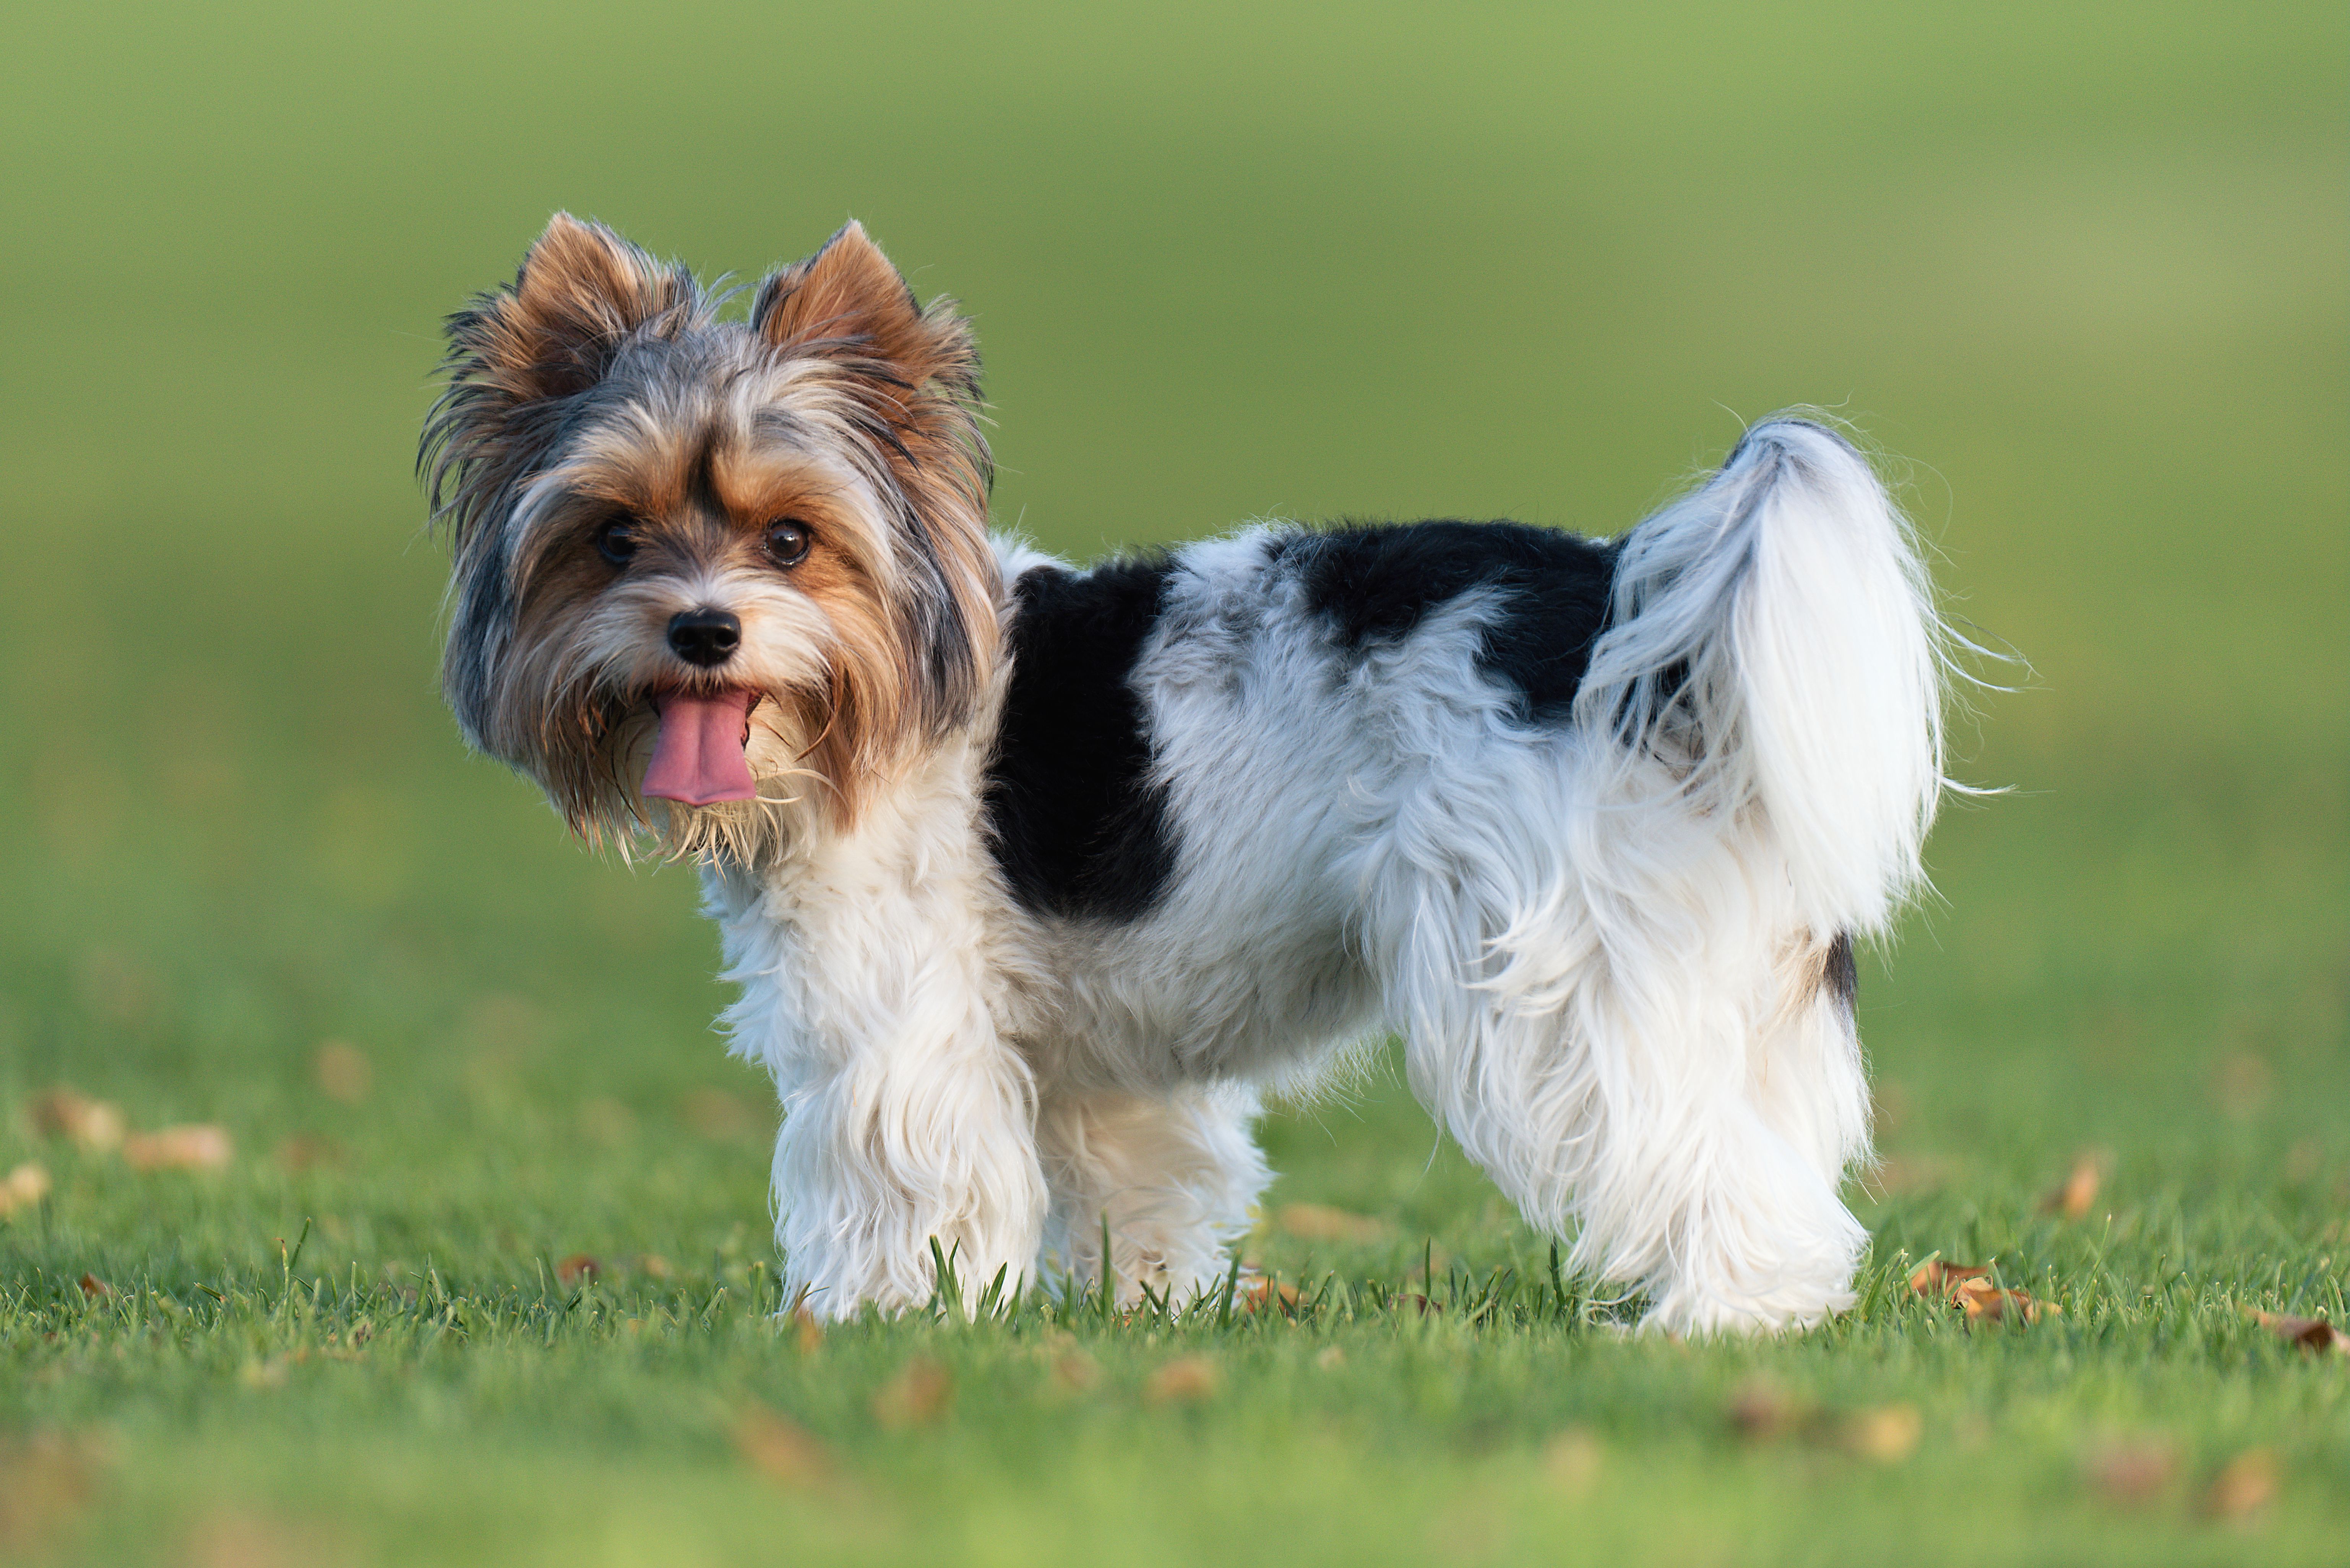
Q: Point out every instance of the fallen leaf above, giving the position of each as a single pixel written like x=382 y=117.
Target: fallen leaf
x=1074 y=1371
x=25 y=1186
x=808 y=1334
x=2074 y=1200
x=715 y=1113
x=918 y=1394
x=1886 y=1434
x=1571 y=1461
x=1984 y=1304
x=94 y=1287
x=780 y=1448
x=199 y=1146
x=342 y=1072
x=1320 y=1222
x=306 y=1151
x=2245 y=1485
x=1969 y=1287
x=2132 y=1473
x=1934 y=1276
x=1413 y=1299
x=253 y=1541
x=578 y=1267
x=1184 y=1380
x=1761 y=1409
x=2311 y=1334
x=1263 y=1292
x=95 y=1124
x=45 y=1483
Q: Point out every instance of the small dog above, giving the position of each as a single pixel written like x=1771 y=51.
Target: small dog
x=1035 y=878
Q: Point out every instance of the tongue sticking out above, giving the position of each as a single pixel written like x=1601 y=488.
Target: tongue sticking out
x=699 y=757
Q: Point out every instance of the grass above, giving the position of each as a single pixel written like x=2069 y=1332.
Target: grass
x=2081 y=269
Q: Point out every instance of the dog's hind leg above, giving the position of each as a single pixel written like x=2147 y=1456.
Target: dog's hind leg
x=1590 y=1018
x=1171 y=1178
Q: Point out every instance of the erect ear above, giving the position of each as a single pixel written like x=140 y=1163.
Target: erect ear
x=582 y=292
x=847 y=302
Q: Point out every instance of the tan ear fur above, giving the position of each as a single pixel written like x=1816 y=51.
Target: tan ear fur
x=582 y=291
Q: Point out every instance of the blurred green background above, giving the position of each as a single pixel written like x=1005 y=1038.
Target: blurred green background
x=2081 y=269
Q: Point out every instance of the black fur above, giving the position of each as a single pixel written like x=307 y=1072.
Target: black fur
x=1840 y=973
x=1078 y=825
x=1377 y=582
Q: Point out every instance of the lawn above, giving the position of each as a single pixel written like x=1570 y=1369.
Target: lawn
x=486 y=1274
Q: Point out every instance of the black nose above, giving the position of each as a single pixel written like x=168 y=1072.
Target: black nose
x=706 y=637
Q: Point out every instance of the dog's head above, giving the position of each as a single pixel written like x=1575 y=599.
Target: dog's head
x=693 y=554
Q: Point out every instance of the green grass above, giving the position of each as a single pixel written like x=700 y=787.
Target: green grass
x=2081 y=270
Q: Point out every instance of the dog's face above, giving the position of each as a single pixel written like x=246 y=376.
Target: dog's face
x=689 y=555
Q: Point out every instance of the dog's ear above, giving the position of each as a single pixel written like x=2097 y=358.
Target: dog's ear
x=847 y=303
x=582 y=292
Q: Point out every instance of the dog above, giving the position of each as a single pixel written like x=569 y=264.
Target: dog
x=1035 y=878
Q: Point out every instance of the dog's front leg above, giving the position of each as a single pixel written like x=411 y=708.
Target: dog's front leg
x=906 y=1137
x=908 y=1118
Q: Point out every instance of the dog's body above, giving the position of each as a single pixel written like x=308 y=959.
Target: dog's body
x=1035 y=878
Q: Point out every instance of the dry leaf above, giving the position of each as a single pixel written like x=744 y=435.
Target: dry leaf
x=1263 y=1292
x=199 y=1146
x=304 y=1151
x=252 y=1540
x=25 y=1186
x=1184 y=1380
x=1074 y=1371
x=1571 y=1461
x=2074 y=1200
x=1413 y=1299
x=780 y=1448
x=578 y=1267
x=2311 y=1334
x=342 y=1072
x=1886 y=1434
x=95 y=1288
x=918 y=1395
x=715 y=1113
x=2132 y=1473
x=1761 y=1409
x=1984 y=1304
x=808 y=1334
x=1320 y=1222
x=45 y=1481
x=2245 y=1485
x=1934 y=1277
x=95 y=1124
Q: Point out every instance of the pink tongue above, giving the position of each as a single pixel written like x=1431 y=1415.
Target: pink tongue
x=699 y=757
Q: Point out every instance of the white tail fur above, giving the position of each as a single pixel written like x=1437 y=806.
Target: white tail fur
x=1774 y=638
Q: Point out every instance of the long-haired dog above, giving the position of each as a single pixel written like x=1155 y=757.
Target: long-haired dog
x=1034 y=878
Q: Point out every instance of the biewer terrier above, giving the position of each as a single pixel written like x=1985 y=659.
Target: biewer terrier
x=1034 y=878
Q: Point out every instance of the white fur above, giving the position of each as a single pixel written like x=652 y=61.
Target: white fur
x=1601 y=940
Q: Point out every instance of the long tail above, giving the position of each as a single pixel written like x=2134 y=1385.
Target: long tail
x=1774 y=637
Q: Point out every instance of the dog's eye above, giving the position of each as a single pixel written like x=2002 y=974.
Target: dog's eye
x=617 y=541
x=787 y=542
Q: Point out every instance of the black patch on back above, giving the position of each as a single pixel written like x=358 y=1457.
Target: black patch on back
x=1839 y=974
x=1075 y=820
x=1377 y=582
